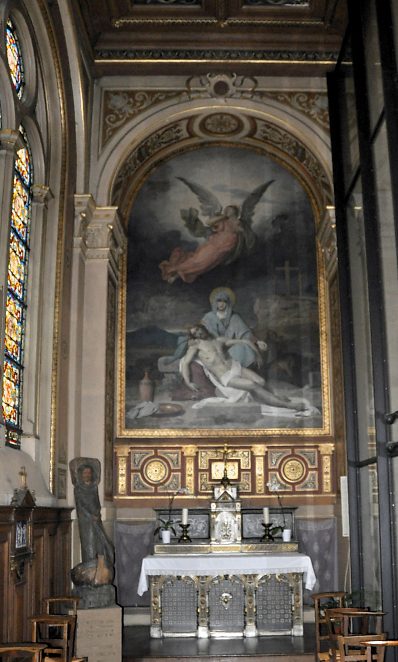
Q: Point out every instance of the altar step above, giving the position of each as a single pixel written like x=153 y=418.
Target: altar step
x=139 y=647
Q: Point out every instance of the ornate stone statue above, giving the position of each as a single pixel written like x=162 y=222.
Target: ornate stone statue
x=93 y=576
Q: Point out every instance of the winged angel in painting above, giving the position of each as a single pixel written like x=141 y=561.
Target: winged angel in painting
x=227 y=234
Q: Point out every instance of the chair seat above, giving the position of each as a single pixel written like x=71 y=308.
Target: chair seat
x=35 y=649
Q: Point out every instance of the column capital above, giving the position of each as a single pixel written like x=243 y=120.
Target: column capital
x=190 y=451
x=326 y=449
x=99 y=230
x=259 y=450
x=41 y=193
x=8 y=139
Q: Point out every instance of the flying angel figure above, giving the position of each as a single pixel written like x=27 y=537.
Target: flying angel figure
x=227 y=234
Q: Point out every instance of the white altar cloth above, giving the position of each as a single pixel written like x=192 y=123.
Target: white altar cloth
x=212 y=565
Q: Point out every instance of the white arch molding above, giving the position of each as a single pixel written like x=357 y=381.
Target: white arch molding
x=136 y=133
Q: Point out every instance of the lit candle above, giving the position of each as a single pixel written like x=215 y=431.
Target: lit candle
x=184 y=518
x=266 y=515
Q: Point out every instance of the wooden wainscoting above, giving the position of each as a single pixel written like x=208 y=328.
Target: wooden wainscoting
x=43 y=574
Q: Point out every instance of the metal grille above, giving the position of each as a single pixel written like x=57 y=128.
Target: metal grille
x=179 y=600
x=274 y=604
x=226 y=604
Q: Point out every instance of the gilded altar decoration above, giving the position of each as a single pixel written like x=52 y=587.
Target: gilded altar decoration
x=299 y=471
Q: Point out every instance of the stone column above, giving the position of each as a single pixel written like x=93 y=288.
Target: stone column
x=35 y=319
x=98 y=245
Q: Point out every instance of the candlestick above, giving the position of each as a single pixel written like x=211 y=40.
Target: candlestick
x=266 y=515
x=184 y=518
x=184 y=537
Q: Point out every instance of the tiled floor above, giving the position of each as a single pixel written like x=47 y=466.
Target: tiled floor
x=139 y=647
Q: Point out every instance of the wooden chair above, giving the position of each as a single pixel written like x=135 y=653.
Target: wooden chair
x=350 y=648
x=35 y=650
x=66 y=605
x=375 y=650
x=63 y=604
x=321 y=602
x=351 y=622
x=57 y=631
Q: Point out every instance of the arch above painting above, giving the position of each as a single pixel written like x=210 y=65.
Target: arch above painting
x=222 y=126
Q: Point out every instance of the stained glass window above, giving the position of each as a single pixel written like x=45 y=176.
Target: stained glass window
x=16 y=292
x=14 y=58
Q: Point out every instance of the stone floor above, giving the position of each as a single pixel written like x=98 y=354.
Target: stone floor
x=139 y=647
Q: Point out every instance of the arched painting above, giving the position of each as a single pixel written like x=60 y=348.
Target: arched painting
x=223 y=301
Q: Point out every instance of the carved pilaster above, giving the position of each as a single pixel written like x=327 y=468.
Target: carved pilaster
x=156 y=618
x=122 y=454
x=326 y=452
x=250 y=607
x=99 y=232
x=259 y=452
x=203 y=609
x=295 y=580
x=190 y=453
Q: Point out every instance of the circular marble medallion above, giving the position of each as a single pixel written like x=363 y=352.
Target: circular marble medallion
x=155 y=471
x=293 y=470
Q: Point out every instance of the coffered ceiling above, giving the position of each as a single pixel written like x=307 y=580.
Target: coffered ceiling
x=269 y=37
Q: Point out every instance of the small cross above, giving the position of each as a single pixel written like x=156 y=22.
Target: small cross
x=288 y=272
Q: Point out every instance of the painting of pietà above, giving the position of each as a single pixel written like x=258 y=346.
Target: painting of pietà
x=222 y=303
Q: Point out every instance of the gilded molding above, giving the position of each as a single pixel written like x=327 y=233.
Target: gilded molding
x=260 y=478
x=122 y=474
x=294 y=469
x=326 y=449
x=328 y=241
x=327 y=473
x=190 y=451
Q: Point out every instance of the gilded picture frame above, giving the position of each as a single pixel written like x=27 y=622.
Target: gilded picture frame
x=267 y=263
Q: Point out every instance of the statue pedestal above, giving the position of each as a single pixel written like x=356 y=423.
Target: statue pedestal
x=95 y=597
x=99 y=633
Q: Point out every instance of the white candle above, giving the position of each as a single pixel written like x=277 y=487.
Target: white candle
x=266 y=515
x=184 y=518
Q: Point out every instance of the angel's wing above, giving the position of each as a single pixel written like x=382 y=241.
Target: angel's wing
x=209 y=204
x=193 y=223
x=250 y=202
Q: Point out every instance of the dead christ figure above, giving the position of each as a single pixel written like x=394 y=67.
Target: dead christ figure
x=225 y=372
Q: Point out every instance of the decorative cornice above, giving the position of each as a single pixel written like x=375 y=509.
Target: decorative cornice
x=120 y=106
x=221 y=22
x=215 y=55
